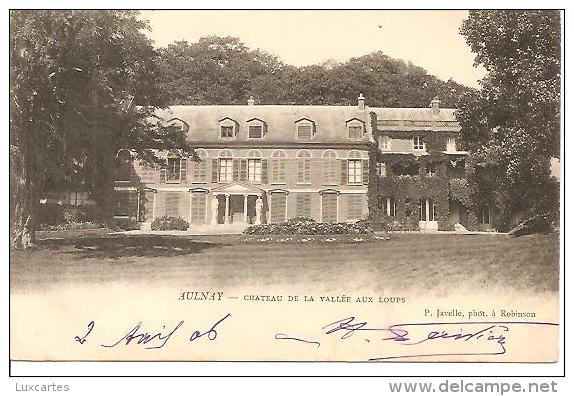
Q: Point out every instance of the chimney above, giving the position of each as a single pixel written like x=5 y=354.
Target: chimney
x=435 y=105
x=361 y=102
x=251 y=101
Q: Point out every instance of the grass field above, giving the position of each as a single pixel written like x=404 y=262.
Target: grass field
x=405 y=262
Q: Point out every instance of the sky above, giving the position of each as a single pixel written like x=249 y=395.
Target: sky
x=429 y=39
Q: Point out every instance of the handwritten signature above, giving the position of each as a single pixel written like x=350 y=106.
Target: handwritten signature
x=466 y=338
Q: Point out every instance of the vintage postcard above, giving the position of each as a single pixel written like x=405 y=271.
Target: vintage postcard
x=297 y=186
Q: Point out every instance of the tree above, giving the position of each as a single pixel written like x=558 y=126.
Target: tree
x=512 y=125
x=72 y=77
x=218 y=70
x=214 y=70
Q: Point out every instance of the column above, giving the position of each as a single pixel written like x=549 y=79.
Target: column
x=138 y=209
x=427 y=210
x=153 y=206
x=389 y=206
x=190 y=193
x=214 y=209
x=245 y=218
x=265 y=214
x=226 y=208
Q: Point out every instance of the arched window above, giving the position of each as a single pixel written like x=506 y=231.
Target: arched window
x=329 y=167
x=225 y=170
x=254 y=166
x=199 y=167
x=254 y=154
x=354 y=154
x=226 y=153
x=279 y=167
x=304 y=167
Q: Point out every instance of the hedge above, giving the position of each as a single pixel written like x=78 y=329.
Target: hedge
x=167 y=223
x=307 y=226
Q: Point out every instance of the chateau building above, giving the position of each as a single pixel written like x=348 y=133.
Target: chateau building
x=258 y=164
x=268 y=163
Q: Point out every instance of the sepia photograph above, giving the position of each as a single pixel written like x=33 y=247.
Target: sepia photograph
x=286 y=186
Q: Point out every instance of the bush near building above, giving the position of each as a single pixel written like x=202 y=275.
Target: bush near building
x=308 y=226
x=168 y=223
x=54 y=216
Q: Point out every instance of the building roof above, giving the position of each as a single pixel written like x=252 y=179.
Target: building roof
x=330 y=122
x=415 y=119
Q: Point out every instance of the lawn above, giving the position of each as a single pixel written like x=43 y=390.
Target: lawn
x=405 y=262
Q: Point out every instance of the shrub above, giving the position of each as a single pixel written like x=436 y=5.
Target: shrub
x=307 y=226
x=166 y=223
x=537 y=224
x=49 y=214
x=86 y=225
x=57 y=214
x=472 y=222
x=376 y=223
x=409 y=223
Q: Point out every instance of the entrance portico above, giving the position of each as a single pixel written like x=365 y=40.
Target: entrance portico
x=238 y=202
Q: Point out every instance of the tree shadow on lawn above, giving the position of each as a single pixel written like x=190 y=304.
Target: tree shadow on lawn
x=118 y=246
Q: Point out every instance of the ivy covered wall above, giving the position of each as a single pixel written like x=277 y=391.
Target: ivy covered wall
x=409 y=178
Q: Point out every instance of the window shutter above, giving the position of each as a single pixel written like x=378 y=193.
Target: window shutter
x=243 y=170
x=300 y=170
x=307 y=171
x=183 y=169
x=365 y=171
x=162 y=175
x=344 y=171
x=214 y=170
x=264 y=171
x=327 y=171
x=274 y=170
x=235 y=170
x=282 y=170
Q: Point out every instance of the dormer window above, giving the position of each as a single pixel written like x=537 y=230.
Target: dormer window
x=305 y=129
x=226 y=132
x=227 y=128
x=255 y=129
x=418 y=143
x=356 y=129
x=178 y=125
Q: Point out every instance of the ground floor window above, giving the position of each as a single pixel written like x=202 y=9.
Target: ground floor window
x=354 y=206
x=278 y=207
x=304 y=205
x=122 y=205
x=389 y=206
x=329 y=207
x=427 y=210
x=172 y=204
x=485 y=215
x=198 y=207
